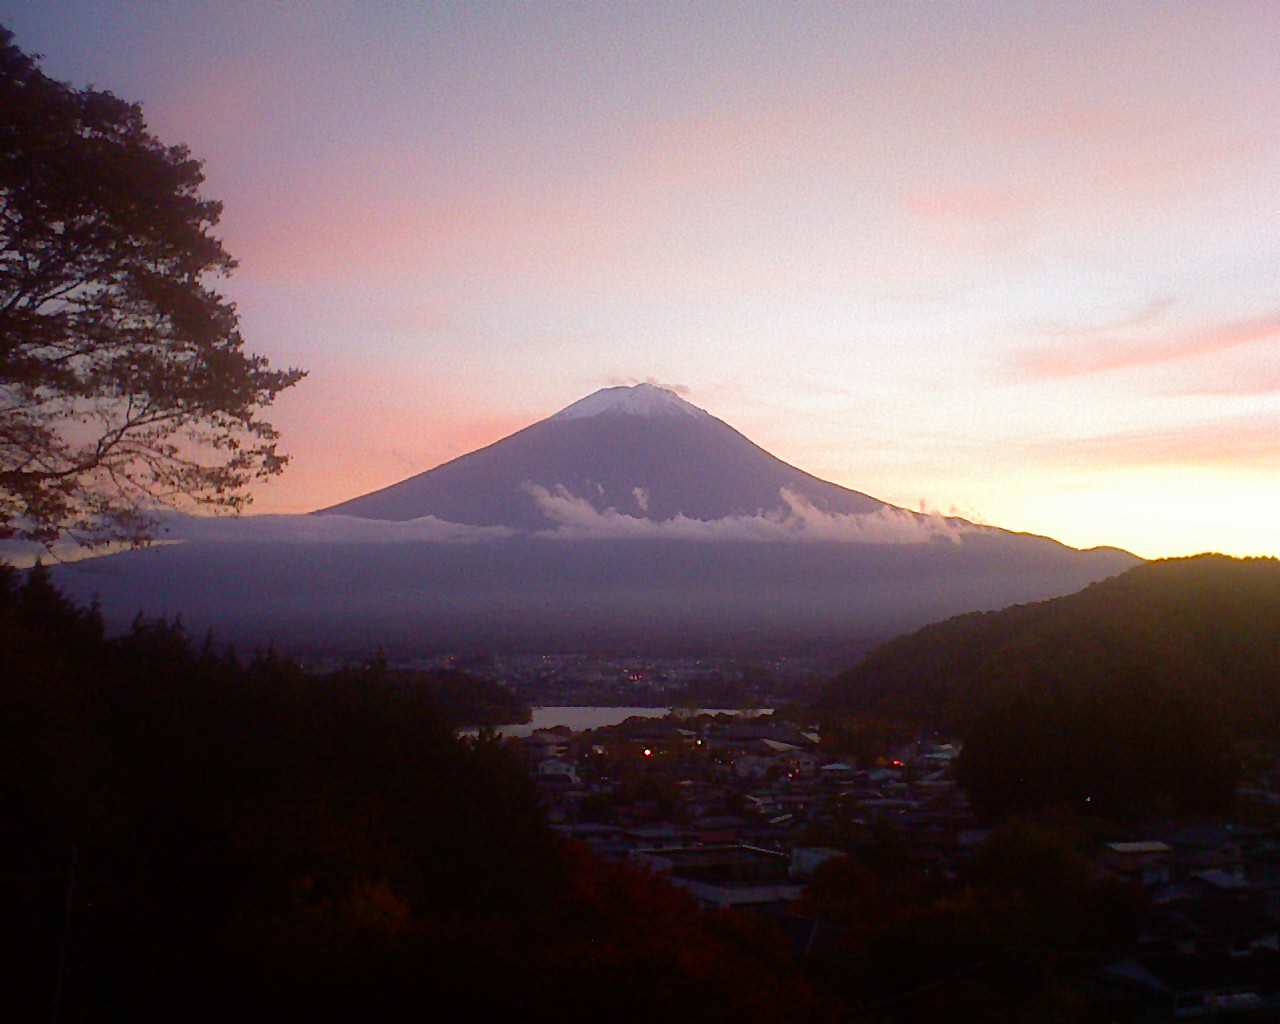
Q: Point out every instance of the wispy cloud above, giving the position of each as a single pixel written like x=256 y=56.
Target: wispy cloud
x=331 y=529
x=1148 y=316
x=177 y=528
x=577 y=518
x=1237 y=443
x=629 y=382
x=1241 y=387
x=1093 y=350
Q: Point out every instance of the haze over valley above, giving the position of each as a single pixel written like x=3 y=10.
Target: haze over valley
x=631 y=520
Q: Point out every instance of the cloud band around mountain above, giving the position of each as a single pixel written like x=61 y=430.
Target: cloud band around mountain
x=331 y=529
x=800 y=521
x=573 y=518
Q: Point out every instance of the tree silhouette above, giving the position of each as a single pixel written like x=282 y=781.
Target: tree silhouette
x=123 y=377
x=311 y=847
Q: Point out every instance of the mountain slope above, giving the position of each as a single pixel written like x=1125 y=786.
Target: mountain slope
x=536 y=594
x=642 y=451
x=1208 y=625
x=631 y=520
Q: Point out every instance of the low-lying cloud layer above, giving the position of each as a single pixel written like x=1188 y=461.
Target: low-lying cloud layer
x=330 y=529
x=577 y=519
x=574 y=518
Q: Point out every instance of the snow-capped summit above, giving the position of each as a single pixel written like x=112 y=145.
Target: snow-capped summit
x=640 y=400
x=642 y=452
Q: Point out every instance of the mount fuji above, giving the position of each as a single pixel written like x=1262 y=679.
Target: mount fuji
x=643 y=452
x=630 y=520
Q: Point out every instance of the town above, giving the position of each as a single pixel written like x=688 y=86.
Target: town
x=743 y=813
x=598 y=680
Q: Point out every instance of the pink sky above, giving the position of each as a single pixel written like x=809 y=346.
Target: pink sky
x=1017 y=260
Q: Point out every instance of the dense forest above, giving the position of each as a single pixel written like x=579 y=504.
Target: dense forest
x=188 y=836
x=1127 y=698
x=463 y=699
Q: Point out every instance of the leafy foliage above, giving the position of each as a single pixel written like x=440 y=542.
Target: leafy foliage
x=1143 y=750
x=465 y=699
x=257 y=843
x=1009 y=940
x=1125 y=698
x=1208 y=625
x=123 y=377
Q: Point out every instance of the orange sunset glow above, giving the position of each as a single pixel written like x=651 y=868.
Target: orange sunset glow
x=1019 y=262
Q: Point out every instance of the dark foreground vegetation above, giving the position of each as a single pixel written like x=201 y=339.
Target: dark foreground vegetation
x=1018 y=936
x=459 y=697
x=1130 y=699
x=189 y=837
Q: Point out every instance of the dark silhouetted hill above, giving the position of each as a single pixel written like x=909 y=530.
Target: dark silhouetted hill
x=1126 y=696
x=535 y=594
x=1207 y=624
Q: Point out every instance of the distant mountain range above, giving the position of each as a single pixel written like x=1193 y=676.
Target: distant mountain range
x=629 y=520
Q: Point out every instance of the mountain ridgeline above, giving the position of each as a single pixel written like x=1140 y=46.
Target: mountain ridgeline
x=630 y=520
x=643 y=452
x=1128 y=696
x=1208 y=624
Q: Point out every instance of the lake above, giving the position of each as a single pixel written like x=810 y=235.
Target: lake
x=580 y=718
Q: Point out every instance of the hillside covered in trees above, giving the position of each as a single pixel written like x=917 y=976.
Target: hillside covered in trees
x=186 y=836
x=1128 y=696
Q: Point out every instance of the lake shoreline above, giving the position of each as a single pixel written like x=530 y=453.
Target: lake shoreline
x=583 y=717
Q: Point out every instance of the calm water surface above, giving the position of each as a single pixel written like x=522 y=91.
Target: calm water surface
x=579 y=718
